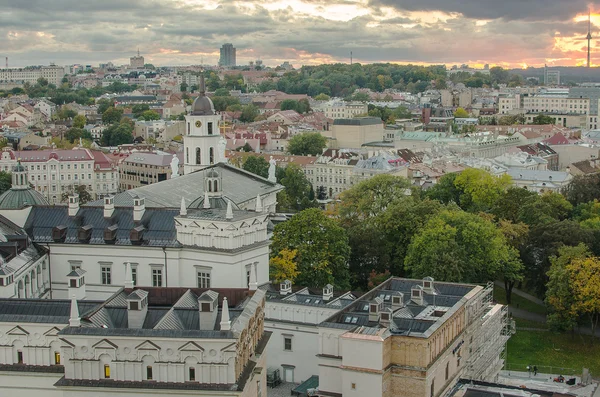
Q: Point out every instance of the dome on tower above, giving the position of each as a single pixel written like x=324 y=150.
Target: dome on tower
x=15 y=199
x=203 y=106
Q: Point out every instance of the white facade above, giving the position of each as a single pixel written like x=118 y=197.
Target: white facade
x=53 y=74
x=345 y=110
x=202 y=142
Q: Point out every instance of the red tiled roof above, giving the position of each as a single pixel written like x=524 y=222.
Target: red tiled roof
x=59 y=154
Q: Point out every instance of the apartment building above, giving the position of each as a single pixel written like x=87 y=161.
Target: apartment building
x=563 y=103
x=352 y=133
x=56 y=172
x=332 y=172
x=54 y=74
x=146 y=168
x=344 y=110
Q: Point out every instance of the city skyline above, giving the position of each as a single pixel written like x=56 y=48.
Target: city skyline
x=510 y=34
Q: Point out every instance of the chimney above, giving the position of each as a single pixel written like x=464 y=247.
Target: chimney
x=208 y=307
x=229 y=214
x=416 y=294
x=428 y=285
x=128 y=276
x=74 y=319
x=183 y=208
x=259 y=206
x=397 y=301
x=374 y=307
x=225 y=323
x=253 y=284
x=285 y=287
x=109 y=206
x=327 y=292
x=206 y=201
x=137 y=308
x=385 y=317
x=139 y=207
x=76 y=283
x=73 y=204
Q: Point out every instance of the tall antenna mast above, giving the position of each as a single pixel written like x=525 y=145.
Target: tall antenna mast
x=350 y=57
x=589 y=37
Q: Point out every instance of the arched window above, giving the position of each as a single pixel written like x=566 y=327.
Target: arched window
x=211 y=155
x=149 y=372
x=198 y=156
x=187 y=155
x=209 y=186
x=216 y=186
x=189 y=127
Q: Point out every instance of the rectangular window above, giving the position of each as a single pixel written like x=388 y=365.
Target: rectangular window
x=105 y=275
x=56 y=358
x=157 y=277
x=134 y=275
x=73 y=283
x=192 y=374
x=149 y=372
x=287 y=344
x=203 y=280
x=106 y=371
x=20 y=357
x=210 y=128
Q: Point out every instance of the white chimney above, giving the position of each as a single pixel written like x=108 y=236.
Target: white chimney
x=183 y=209
x=416 y=294
x=428 y=286
x=259 y=206
x=74 y=319
x=73 y=204
x=229 y=214
x=128 y=276
x=253 y=284
x=397 y=301
x=76 y=283
x=206 y=201
x=109 y=206
x=139 y=207
x=285 y=287
x=327 y=292
x=137 y=308
x=374 y=307
x=225 y=323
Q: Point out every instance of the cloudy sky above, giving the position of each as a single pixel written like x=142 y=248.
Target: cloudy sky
x=499 y=32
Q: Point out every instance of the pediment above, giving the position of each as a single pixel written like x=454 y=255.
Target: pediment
x=191 y=347
x=229 y=348
x=244 y=225
x=52 y=332
x=105 y=344
x=256 y=222
x=212 y=226
x=147 y=345
x=231 y=227
x=17 y=331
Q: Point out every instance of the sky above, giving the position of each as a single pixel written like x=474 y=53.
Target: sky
x=509 y=33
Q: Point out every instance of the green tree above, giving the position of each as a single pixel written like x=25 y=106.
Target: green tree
x=73 y=134
x=542 y=119
x=117 y=134
x=583 y=189
x=584 y=279
x=515 y=235
x=103 y=105
x=79 y=121
x=459 y=246
x=559 y=295
x=283 y=266
x=222 y=103
x=257 y=165
x=321 y=245
x=445 y=191
x=249 y=113
x=461 y=113
x=183 y=87
x=307 y=144
x=296 y=195
x=222 y=92
x=79 y=190
x=5 y=181
x=149 y=115
x=112 y=115
x=510 y=203
x=480 y=189
x=137 y=110
x=322 y=97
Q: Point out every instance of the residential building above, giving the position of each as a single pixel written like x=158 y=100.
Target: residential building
x=136 y=61
x=344 y=110
x=332 y=173
x=137 y=342
x=355 y=132
x=56 y=172
x=544 y=152
x=539 y=181
x=227 y=55
x=54 y=74
x=551 y=77
x=159 y=130
x=145 y=168
x=411 y=337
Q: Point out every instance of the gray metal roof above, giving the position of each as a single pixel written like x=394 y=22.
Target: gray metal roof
x=41 y=310
x=19 y=198
x=238 y=185
x=358 y=121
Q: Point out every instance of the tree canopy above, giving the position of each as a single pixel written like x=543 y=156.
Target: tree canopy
x=307 y=144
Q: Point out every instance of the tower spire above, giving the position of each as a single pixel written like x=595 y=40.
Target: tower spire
x=589 y=38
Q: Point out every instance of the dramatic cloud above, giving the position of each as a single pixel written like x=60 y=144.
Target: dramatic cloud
x=168 y=32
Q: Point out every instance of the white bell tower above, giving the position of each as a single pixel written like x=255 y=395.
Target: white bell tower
x=201 y=142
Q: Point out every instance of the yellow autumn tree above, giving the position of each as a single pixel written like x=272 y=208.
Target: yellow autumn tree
x=283 y=266
x=584 y=274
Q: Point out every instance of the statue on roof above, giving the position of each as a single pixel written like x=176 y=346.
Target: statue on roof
x=174 y=167
x=222 y=146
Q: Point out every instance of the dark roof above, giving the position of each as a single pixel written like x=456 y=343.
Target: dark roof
x=358 y=121
x=41 y=310
x=159 y=225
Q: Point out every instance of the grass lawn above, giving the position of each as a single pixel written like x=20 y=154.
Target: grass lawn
x=547 y=349
x=522 y=323
x=518 y=301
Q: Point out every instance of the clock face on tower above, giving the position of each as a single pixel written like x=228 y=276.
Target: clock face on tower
x=198 y=123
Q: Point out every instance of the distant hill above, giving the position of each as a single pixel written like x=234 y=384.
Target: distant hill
x=576 y=74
